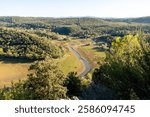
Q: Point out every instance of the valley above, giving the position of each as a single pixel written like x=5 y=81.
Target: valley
x=80 y=57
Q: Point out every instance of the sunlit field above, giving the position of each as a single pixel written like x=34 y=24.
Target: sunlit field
x=12 y=72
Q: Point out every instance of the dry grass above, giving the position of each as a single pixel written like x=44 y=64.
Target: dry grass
x=12 y=72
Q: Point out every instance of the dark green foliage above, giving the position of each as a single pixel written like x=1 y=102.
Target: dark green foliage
x=6 y=19
x=104 y=40
x=62 y=30
x=20 y=44
x=132 y=20
x=47 y=34
x=76 y=85
x=46 y=82
x=33 y=25
x=73 y=84
x=127 y=69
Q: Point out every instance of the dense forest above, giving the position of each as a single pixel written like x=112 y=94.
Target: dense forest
x=123 y=74
x=21 y=44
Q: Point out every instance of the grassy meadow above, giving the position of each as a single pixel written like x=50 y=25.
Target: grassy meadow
x=70 y=63
x=92 y=54
x=12 y=72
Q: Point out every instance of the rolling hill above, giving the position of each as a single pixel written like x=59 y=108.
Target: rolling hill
x=16 y=43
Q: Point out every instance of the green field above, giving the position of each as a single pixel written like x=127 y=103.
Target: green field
x=92 y=54
x=70 y=63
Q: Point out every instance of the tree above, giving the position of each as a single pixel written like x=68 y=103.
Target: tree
x=73 y=84
x=76 y=85
x=127 y=69
x=45 y=82
x=19 y=43
x=14 y=92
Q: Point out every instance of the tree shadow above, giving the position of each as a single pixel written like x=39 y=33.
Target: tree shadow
x=15 y=60
x=98 y=49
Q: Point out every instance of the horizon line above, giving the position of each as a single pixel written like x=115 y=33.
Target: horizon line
x=76 y=17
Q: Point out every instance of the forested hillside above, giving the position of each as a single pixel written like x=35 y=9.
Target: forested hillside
x=17 y=43
x=79 y=27
x=132 y=20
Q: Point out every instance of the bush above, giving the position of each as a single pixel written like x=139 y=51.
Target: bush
x=45 y=82
x=127 y=69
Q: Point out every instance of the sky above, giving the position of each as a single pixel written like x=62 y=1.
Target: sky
x=75 y=8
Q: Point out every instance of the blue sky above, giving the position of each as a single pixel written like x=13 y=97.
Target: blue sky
x=73 y=8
